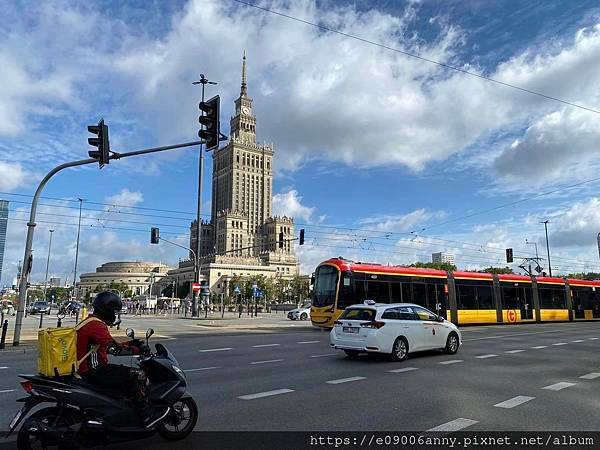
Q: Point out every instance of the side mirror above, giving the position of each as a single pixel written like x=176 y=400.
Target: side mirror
x=130 y=333
x=149 y=333
x=440 y=319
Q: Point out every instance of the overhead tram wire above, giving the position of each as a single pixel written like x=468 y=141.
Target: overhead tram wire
x=422 y=58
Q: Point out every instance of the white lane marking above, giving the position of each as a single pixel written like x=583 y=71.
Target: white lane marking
x=590 y=376
x=537 y=347
x=578 y=340
x=7 y=390
x=345 y=380
x=201 y=368
x=500 y=336
x=326 y=354
x=558 y=386
x=265 y=394
x=491 y=355
x=215 y=349
x=515 y=401
x=514 y=351
x=265 y=345
x=592 y=339
x=267 y=361
x=560 y=343
x=454 y=425
x=452 y=361
x=3 y=367
x=307 y=342
x=404 y=369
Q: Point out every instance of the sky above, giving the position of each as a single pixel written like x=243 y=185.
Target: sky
x=379 y=156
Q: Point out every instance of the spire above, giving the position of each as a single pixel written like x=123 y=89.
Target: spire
x=243 y=92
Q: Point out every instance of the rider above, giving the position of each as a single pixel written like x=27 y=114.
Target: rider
x=97 y=370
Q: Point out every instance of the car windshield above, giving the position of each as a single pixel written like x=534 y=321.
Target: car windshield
x=41 y=303
x=358 y=314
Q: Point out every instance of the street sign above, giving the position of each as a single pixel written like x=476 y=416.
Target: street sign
x=195 y=287
x=237 y=290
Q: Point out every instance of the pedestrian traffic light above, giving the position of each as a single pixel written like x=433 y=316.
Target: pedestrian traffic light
x=301 y=237
x=281 y=239
x=211 y=131
x=154 y=235
x=509 y=255
x=101 y=142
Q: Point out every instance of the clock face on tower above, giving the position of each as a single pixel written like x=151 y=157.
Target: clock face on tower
x=245 y=110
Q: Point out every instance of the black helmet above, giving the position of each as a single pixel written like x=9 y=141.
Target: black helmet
x=106 y=306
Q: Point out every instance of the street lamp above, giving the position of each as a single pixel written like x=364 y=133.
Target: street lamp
x=48 y=263
x=545 y=222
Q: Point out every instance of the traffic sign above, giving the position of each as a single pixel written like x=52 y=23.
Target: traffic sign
x=237 y=290
x=511 y=315
x=195 y=287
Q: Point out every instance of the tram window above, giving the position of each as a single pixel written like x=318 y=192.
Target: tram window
x=485 y=297
x=509 y=298
x=552 y=298
x=466 y=297
x=378 y=291
x=396 y=293
x=406 y=293
x=357 y=297
x=419 y=294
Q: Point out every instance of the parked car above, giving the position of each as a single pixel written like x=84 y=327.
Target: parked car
x=301 y=313
x=39 y=307
x=396 y=329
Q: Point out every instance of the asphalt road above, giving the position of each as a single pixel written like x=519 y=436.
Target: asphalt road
x=528 y=377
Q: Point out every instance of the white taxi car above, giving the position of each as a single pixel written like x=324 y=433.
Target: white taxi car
x=395 y=328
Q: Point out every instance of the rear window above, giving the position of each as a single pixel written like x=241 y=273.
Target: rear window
x=358 y=314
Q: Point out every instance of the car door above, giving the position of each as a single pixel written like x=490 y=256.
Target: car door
x=434 y=332
x=405 y=324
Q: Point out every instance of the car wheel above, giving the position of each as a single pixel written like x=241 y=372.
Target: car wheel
x=351 y=353
x=399 y=349
x=304 y=316
x=452 y=343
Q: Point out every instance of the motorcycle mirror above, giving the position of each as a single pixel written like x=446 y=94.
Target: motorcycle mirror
x=130 y=333
x=149 y=333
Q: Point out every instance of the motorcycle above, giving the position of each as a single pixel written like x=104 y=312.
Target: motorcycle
x=86 y=415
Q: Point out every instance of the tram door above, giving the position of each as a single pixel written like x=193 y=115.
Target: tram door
x=518 y=297
x=436 y=299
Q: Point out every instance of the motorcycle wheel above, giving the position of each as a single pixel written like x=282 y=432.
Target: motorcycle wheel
x=181 y=420
x=29 y=441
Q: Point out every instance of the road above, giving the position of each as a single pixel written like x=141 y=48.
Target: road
x=527 y=377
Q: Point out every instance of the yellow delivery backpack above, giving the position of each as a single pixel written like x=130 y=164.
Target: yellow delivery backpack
x=57 y=350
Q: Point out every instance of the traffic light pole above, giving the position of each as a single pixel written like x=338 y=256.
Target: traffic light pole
x=28 y=258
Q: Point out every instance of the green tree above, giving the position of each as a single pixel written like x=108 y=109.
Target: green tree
x=498 y=270
x=585 y=276
x=432 y=265
x=59 y=294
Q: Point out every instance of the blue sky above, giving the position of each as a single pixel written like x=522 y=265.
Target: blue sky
x=370 y=144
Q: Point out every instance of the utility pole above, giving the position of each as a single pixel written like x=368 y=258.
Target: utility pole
x=77 y=249
x=48 y=263
x=203 y=81
x=545 y=222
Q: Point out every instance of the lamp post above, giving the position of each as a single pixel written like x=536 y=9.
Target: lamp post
x=545 y=222
x=48 y=263
x=74 y=295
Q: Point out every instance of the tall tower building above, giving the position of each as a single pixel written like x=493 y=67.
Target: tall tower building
x=242 y=229
x=3 y=225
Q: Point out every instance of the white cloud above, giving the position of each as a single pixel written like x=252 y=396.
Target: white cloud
x=405 y=222
x=289 y=204
x=578 y=226
x=125 y=198
x=12 y=176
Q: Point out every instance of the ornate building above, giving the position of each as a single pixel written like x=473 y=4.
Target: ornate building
x=241 y=236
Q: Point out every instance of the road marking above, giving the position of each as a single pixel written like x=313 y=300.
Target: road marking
x=326 y=354
x=514 y=351
x=404 y=369
x=537 y=347
x=578 y=340
x=515 y=401
x=7 y=390
x=500 y=336
x=592 y=339
x=308 y=342
x=201 y=368
x=559 y=386
x=265 y=345
x=452 y=361
x=267 y=361
x=345 y=380
x=215 y=349
x=560 y=343
x=590 y=376
x=491 y=355
x=265 y=394
x=3 y=367
x=454 y=425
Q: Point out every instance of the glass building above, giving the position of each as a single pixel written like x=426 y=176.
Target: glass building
x=3 y=224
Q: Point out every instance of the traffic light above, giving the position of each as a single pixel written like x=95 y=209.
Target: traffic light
x=154 y=235
x=509 y=255
x=281 y=239
x=210 y=121
x=301 y=237
x=101 y=142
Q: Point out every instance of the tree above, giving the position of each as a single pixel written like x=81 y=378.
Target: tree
x=57 y=293
x=432 y=265
x=498 y=270
x=584 y=276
